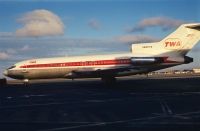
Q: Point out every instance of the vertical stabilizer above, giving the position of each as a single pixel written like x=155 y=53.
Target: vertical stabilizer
x=177 y=43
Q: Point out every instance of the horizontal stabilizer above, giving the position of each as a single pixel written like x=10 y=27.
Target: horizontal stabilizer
x=193 y=26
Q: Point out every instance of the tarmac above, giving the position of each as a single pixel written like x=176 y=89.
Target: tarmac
x=133 y=103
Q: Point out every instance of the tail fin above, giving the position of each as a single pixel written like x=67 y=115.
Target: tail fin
x=177 y=43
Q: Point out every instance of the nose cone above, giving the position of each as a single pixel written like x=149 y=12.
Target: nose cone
x=5 y=72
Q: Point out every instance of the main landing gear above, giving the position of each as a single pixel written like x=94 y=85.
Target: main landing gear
x=25 y=81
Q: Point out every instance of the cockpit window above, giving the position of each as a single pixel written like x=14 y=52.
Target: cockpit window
x=12 y=67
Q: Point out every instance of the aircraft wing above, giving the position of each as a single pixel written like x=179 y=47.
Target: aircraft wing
x=95 y=72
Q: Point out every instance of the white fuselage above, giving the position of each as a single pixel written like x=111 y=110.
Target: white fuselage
x=62 y=67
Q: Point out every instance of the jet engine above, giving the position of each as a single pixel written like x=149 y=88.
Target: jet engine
x=140 y=61
x=146 y=60
x=182 y=60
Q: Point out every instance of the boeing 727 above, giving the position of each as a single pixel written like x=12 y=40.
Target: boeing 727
x=144 y=58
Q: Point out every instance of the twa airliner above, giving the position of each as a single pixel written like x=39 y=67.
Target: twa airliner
x=144 y=58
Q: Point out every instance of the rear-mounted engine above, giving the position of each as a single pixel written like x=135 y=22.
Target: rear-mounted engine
x=146 y=60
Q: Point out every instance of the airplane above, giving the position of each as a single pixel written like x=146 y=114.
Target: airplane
x=143 y=58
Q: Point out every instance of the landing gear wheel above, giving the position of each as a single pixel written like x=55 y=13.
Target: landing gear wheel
x=26 y=82
x=109 y=80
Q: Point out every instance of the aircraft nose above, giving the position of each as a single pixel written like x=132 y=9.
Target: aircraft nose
x=5 y=72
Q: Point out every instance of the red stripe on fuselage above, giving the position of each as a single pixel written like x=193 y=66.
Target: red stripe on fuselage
x=80 y=63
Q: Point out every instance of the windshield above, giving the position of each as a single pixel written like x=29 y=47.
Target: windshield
x=13 y=66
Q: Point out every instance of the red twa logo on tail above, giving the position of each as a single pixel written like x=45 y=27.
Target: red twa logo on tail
x=172 y=43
